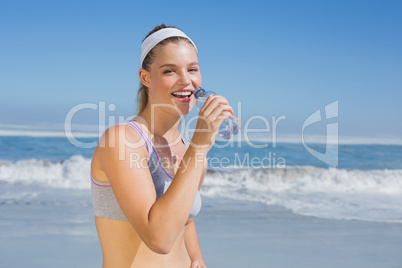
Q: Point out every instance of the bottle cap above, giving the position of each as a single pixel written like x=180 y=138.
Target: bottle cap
x=198 y=92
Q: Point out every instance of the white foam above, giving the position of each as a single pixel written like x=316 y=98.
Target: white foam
x=71 y=173
x=374 y=195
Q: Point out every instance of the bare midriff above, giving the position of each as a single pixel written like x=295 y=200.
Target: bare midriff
x=122 y=247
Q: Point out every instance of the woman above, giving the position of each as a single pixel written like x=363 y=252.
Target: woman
x=145 y=177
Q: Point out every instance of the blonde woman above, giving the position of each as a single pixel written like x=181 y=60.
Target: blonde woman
x=145 y=177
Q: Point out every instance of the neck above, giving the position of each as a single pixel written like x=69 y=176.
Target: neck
x=161 y=124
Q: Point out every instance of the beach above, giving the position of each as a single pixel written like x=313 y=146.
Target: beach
x=231 y=234
x=260 y=236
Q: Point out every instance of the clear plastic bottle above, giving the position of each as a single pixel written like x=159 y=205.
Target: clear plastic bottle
x=230 y=126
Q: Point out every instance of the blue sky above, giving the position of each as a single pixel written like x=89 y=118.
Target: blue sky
x=278 y=58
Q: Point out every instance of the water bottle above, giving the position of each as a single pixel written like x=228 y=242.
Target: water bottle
x=230 y=126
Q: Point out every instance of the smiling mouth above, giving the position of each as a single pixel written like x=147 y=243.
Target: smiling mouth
x=182 y=94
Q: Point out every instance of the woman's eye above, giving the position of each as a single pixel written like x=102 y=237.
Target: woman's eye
x=193 y=70
x=168 y=71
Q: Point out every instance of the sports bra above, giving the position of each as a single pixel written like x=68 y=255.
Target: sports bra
x=104 y=200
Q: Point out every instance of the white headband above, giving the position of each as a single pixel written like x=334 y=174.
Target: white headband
x=157 y=37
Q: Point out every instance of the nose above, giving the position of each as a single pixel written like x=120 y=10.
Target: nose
x=184 y=78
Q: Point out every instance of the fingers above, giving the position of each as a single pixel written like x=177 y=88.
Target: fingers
x=216 y=107
x=195 y=264
x=220 y=112
x=212 y=102
x=215 y=110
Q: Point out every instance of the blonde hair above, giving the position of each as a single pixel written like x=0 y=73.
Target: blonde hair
x=142 y=95
x=142 y=98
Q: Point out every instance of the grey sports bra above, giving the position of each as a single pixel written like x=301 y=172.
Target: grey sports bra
x=104 y=200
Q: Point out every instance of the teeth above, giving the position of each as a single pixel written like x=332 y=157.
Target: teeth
x=183 y=93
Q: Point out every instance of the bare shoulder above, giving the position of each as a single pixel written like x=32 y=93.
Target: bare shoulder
x=122 y=157
x=117 y=146
x=121 y=135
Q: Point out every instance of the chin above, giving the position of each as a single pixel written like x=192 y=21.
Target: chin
x=185 y=110
x=186 y=107
x=179 y=110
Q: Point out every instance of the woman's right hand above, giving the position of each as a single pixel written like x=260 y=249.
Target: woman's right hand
x=196 y=264
x=215 y=110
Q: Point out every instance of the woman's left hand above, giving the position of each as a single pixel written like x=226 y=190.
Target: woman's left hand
x=197 y=264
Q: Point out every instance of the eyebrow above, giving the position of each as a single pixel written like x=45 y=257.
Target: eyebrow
x=173 y=65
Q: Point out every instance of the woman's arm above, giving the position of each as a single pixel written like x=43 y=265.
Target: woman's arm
x=124 y=161
x=191 y=238
x=192 y=245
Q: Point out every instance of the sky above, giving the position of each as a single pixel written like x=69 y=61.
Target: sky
x=270 y=59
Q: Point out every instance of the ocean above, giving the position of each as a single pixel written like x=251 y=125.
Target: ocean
x=366 y=185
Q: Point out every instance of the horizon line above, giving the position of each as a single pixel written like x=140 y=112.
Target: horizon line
x=286 y=138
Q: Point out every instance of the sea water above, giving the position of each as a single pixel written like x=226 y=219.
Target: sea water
x=366 y=185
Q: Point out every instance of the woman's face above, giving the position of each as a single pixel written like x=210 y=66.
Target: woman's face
x=175 y=69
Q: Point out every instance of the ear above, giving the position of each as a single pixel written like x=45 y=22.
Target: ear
x=145 y=77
